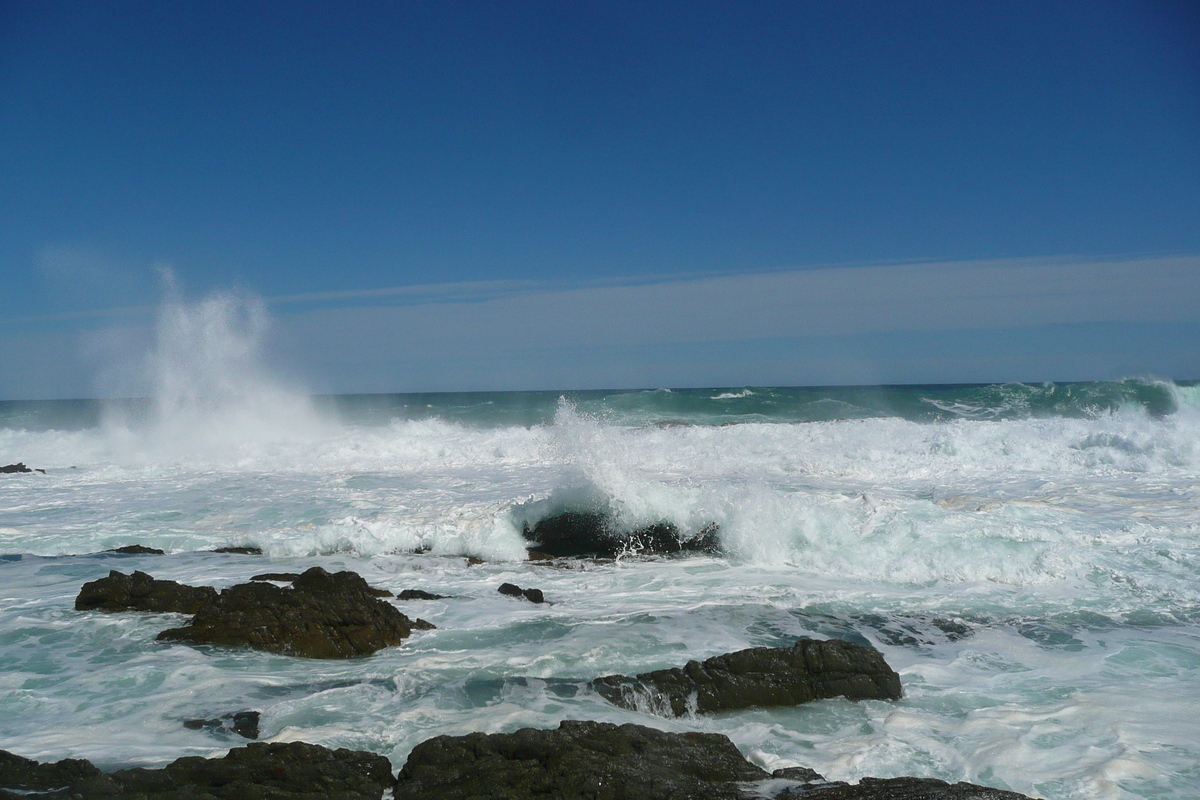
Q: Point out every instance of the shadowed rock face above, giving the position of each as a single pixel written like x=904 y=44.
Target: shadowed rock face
x=140 y=592
x=589 y=533
x=25 y=775
x=267 y=771
x=578 y=760
x=321 y=615
x=761 y=676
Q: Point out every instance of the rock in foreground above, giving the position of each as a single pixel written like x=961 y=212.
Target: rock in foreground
x=761 y=676
x=590 y=533
x=321 y=615
x=578 y=760
x=268 y=771
x=900 y=789
x=140 y=592
x=602 y=761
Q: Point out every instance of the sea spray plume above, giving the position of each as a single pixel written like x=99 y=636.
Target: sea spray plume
x=211 y=393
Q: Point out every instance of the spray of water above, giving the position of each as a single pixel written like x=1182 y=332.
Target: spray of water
x=211 y=394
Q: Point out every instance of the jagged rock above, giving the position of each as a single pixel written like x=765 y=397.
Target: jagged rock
x=19 y=467
x=24 y=774
x=419 y=594
x=141 y=592
x=243 y=723
x=760 y=676
x=241 y=551
x=594 y=760
x=264 y=771
x=591 y=533
x=321 y=615
x=285 y=577
x=137 y=550
x=512 y=590
x=899 y=789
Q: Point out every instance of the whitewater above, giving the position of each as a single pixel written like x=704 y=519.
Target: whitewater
x=1027 y=557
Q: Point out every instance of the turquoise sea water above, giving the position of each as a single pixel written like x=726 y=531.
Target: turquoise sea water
x=1026 y=556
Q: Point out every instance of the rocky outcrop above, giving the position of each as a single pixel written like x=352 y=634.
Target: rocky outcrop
x=140 y=592
x=249 y=550
x=269 y=771
x=243 y=723
x=19 y=467
x=26 y=775
x=577 y=760
x=321 y=615
x=512 y=590
x=761 y=676
x=137 y=550
x=591 y=533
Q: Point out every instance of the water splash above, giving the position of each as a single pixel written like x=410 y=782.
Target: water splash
x=212 y=394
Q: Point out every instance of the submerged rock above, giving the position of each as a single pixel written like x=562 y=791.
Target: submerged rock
x=512 y=590
x=419 y=594
x=577 y=760
x=141 y=592
x=899 y=789
x=321 y=615
x=591 y=533
x=269 y=771
x=137 y=550
x=243 y=723
x=760 y=676
x=249 y=550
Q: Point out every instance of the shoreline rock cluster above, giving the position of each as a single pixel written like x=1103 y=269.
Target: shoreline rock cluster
x=339 y=615
x=579 y=760
x=321 y=615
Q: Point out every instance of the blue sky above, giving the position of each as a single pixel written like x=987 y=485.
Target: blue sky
x=481 y=195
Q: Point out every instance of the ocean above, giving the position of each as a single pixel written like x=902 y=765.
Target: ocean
x=1027 y=557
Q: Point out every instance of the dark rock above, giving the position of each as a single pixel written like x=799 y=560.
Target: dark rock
x=419 y=594
x=286 y=577
x=512 y=590
x=761 y=676
x=241 y=551
x=594 y=760
x=802 y=774
x=899 y=789
x=263 y=771
x=472 y=561
x=12 y=469
x=141 y=592
x=137 y=550
x=591 y=533
x=243 y=723
x=321 y=615
x=26 y=774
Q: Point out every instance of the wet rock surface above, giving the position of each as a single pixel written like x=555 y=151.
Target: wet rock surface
x=24 y=774
x=141 y=592
x=243 y=723
x=419 y=594
x=512 y=590
x=590 y=533
x=898 y=789
x=262 y=771
x=321 y=615
x=137 y=550
x=241 y=550
x=577 y=760
x=759 y=677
